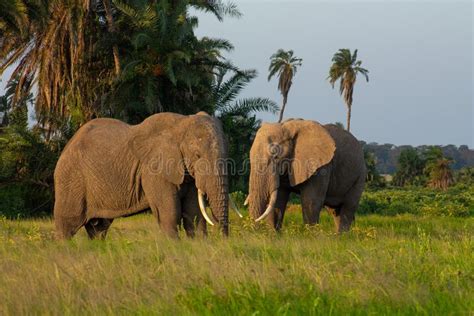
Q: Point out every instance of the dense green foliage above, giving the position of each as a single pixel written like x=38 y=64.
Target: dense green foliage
x=401 y=265
x=26 y=162
x=387 y=155
x=26 y=172
x=373 y=180
x=457 y=201
x=465 y=175
x=410 y=168
x=429 y=167
x=125 y=59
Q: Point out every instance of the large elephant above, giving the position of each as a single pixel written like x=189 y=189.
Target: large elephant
x=324 y=164
x=169 y=163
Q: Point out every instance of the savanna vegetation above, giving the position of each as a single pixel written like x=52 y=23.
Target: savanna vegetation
x=402 y=264
x=410 y=251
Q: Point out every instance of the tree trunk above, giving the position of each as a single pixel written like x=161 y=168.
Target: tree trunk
x=111 y=29
x=349 y=118
x=285 y=99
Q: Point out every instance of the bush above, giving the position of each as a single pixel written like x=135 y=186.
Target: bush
x=458 y=201
x=239 y=198
x=27 y=164
x=20 y=200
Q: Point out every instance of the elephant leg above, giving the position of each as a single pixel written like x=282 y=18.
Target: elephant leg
x=165 y=205
x=97 y=228
x=313 y=194
x=345 y=215
x=192 y=217
x=69 y=214
x=275 y=219
x=188 y=224
x=67 y=227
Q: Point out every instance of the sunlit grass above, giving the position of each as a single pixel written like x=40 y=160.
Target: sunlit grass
x=402 y=265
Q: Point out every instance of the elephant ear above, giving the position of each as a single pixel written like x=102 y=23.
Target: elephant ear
x=159 y=155
x=313 y=148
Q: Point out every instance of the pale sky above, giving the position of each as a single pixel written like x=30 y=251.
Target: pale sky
x=419 y=54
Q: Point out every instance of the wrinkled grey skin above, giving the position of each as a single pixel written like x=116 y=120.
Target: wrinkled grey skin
x=324 y=164
x=110 y=169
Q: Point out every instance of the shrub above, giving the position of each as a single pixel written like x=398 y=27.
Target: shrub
x=20 y=200
x=457 y=201
x=239 y=198
x=27 y=164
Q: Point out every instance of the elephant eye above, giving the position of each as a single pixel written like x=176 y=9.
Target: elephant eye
x=275 y=150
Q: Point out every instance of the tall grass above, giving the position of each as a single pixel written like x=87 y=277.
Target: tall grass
x=386 y=265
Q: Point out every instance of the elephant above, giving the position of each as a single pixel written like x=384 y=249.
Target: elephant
x=169 y=163
x=324 y=164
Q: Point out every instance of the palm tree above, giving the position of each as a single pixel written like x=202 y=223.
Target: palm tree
x=106 y=8
x=66 y=49
x=53 y=49
x=168 y=67
x=345 y=68
x=286 y=65
x=441 y=176
x=13 y=19
x=438 y=169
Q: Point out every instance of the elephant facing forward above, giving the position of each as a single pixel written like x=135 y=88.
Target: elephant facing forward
x=169 y=163
x=324 y=164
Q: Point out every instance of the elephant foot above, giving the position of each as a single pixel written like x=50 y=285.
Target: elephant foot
x=97 y=228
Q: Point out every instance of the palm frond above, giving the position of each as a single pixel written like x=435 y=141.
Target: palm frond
x=218 y=8
x=230 y=89
x=248 y=106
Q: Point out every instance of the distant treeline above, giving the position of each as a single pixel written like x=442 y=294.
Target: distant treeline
x=387 y=155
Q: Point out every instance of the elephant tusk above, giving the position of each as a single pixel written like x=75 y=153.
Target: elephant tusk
x=202 y=207
x=246 y=203
x=232 y=205
x=270 y=207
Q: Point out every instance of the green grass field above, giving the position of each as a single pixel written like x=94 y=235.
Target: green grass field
x=387 y=265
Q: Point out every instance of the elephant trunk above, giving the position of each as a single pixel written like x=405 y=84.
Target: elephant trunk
x=262 y=186
x=215 y=188
x=219 y=203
